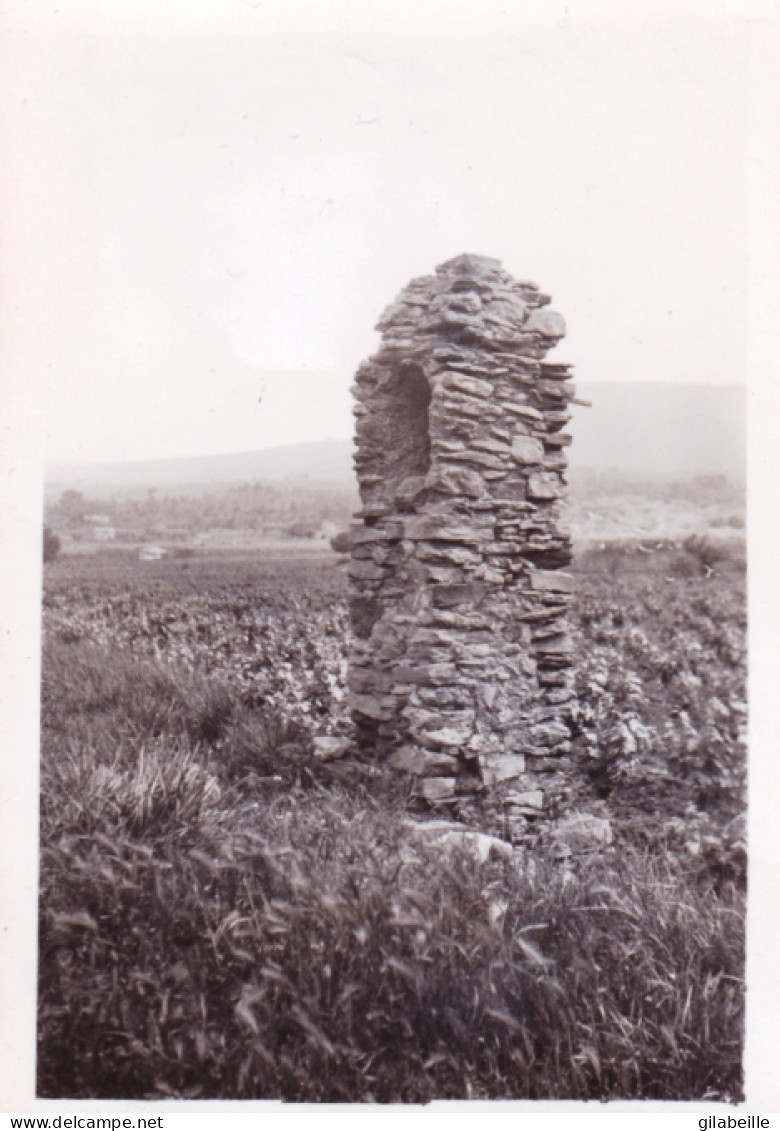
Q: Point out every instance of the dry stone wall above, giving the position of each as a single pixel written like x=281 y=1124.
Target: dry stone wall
x=459 y=667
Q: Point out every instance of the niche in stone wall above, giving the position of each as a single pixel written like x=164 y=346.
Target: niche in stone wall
x=407 y=444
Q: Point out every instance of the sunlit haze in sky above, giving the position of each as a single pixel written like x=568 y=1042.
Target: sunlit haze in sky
x=227 y=195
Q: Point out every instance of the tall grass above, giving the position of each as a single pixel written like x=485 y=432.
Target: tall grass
x=219 y=921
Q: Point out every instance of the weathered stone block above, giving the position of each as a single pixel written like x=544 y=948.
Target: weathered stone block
x=490 y=444
x=474 y=386
x=496 y=768
x=430 y=674
x=551 y=581
x=455 y=732
x=437 y=791
x=436 y=528
x=368 y=534
x=546 y=322
x=531 y=801
x=456 y=481
x=421 y=763
x=527 y=450
x=561 y=644
x=525 y=410
x=543 y=485
x=484 y=460
x=446 y=552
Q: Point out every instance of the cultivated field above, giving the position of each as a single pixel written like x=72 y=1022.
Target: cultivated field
x=223 y=916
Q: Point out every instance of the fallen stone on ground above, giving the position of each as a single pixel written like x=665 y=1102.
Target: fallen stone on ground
x=327 y=748
x=450 y=835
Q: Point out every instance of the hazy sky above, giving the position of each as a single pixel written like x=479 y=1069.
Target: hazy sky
x=226 y=193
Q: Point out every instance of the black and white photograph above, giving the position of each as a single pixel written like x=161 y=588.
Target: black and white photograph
x=378 y=417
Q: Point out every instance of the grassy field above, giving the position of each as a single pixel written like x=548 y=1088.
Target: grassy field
x=224 y=917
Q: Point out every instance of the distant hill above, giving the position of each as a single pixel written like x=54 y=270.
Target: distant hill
x=326 y=462
x=656 y=430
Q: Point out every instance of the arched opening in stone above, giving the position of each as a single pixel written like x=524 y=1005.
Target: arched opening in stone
x=408 y=441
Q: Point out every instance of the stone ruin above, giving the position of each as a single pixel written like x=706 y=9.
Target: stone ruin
x=459 y=671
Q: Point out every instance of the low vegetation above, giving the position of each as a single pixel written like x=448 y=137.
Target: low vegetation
x=223 y=916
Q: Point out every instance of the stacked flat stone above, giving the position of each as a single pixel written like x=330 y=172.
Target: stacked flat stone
x=459 y=669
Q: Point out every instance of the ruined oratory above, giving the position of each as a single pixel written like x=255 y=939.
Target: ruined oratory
x=459 y=670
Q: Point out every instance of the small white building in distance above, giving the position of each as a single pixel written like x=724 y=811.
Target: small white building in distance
x=102 y=530
x=151 y=553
